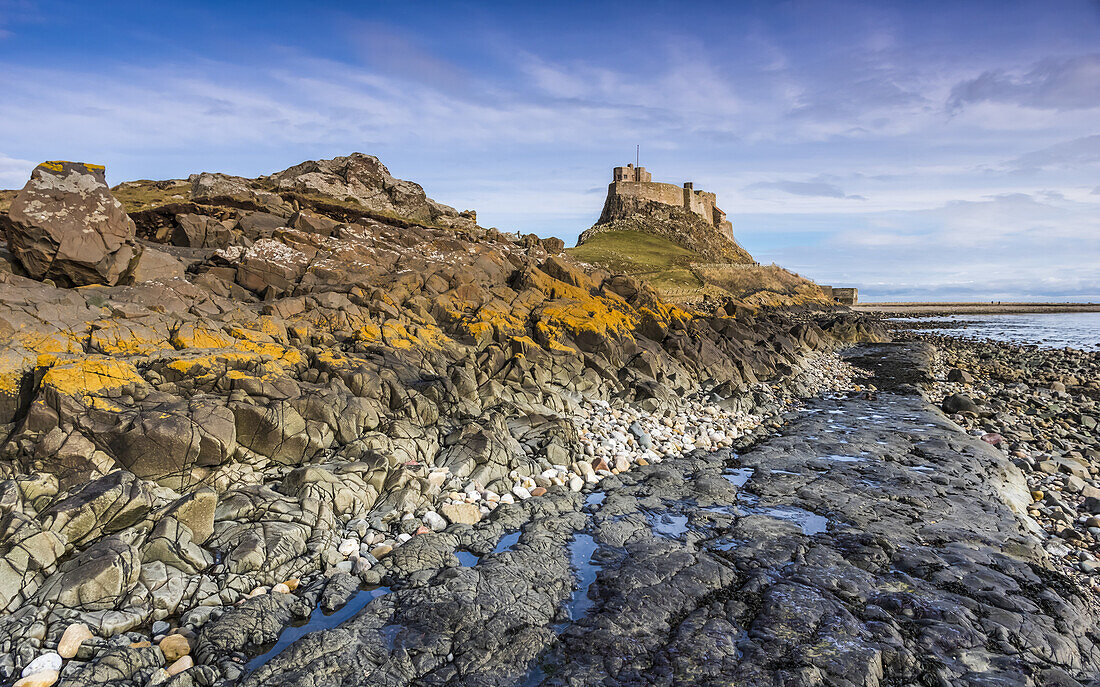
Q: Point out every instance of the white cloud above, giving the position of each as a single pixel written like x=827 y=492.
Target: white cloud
x=14 y=172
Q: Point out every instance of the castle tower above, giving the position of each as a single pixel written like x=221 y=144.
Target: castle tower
x=631 y=173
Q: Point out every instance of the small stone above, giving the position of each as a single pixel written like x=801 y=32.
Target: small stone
x=461 y=513
x=348 y=547
x=435 y=521
x=75 y=635
x=141 y=645
x=174 y=646
x=160 y=627
x=521 y=492
x=257 y=592
x=44 y=663
x=576 y=483
x=292 y=583
x=538 y=491
x=381 y=551
x=43 y=678
x=1037 y=495
x=280 y=588
x=181 y=665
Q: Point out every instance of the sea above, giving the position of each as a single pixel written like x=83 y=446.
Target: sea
x=1046 y=330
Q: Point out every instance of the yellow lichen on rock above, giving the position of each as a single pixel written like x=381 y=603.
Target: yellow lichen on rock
x=196 y=336
x=114 y=338
x=89 y=378
x=198 y=367
x=396 y=335
x=575 y=311
x=265 y=344
x=368 y=333
x=59 y=341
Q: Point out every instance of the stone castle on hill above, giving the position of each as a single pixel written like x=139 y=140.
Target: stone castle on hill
x=681 y=214
x=636 y=182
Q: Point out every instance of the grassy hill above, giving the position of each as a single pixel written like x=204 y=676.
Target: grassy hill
x=683 y=276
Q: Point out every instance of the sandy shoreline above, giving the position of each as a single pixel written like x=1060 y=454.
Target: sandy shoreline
x=974 y=308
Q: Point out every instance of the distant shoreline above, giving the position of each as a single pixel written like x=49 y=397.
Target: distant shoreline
x=974 y=308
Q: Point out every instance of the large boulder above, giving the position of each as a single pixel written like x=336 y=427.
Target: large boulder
x=65 y=225
x=96 y=578
x=167 y=442
x=201 y=231
x=155 y=265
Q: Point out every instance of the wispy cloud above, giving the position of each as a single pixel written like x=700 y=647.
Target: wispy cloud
x=1079 y=152
x=819 y=189
x=1050 y=84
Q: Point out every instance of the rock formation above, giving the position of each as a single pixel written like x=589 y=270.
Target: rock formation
x=65 y=226
x=363 y=179
x=303 y=380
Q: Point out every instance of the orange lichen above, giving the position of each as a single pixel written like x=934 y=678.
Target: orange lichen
x=88 y=378
x=113 y=338
x=197 y=336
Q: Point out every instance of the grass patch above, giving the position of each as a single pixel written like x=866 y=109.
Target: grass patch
x=681 y=275
x=144 y=194
x=634 y=252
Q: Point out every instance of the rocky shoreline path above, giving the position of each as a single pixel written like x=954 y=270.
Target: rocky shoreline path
x=866 y=542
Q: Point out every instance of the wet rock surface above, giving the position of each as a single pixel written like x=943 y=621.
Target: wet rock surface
x=867 y=542
x=1040 y=408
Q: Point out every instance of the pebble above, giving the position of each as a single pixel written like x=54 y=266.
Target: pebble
x=75 y=635
x=43 y=678
x=280 y=588
x=348 y=547
x=174 y=646
x=181 y=665
x=381 y=551
x=44 y=663
x=435 y=521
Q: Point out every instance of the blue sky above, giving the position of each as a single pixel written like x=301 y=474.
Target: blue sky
x=933 y=150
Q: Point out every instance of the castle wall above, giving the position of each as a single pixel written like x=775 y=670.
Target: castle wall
x=699 y=202
x=702 y=203
x=669 y=194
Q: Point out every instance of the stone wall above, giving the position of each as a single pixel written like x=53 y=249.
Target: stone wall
x=701 y=203
x=669 y=194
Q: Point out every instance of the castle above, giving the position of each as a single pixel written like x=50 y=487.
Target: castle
x=636 y=182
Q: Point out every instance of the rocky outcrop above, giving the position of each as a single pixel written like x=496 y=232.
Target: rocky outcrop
x=363 y=179
x=318 y=389
x=66 y=226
